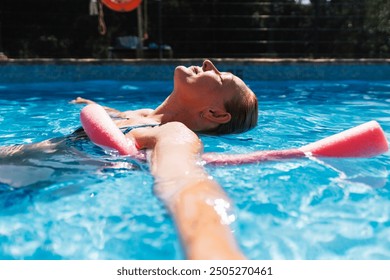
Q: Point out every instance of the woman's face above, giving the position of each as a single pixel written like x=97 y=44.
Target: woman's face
x=205 y=93
x=203 y=85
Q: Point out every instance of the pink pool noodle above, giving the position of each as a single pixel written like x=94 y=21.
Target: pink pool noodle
x=366 y=140
x=103 y=132
x=222 y=159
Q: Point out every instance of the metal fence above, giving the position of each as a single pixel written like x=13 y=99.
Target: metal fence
x=213 y=28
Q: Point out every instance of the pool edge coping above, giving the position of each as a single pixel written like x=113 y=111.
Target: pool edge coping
x=71 y=70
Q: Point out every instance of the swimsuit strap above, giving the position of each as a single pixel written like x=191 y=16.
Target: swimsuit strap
x=79 y=133
x=127 y=129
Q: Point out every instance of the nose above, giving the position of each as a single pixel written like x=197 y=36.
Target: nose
x=209 y=66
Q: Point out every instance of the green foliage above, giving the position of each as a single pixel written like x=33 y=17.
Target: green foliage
x=377 y=28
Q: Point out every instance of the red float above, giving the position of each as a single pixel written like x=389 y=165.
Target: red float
x=122 y=5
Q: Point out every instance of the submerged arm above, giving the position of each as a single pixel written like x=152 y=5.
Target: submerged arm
x=196 y=202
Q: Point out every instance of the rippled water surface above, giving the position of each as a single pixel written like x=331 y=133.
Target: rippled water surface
x=80 y=203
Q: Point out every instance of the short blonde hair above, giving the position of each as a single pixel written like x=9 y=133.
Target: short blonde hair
x=243 y=108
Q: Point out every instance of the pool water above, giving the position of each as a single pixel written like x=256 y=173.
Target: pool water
x=82 y=203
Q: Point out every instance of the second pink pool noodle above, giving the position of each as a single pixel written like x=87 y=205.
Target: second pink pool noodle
x=366 y=140
x=103 y=132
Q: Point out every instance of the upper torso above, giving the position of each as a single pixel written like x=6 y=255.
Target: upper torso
x=133 y=118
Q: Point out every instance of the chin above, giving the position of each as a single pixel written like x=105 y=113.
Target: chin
x=183 y=70
x=181 y=74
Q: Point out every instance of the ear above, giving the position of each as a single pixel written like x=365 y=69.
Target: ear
x=216 y=115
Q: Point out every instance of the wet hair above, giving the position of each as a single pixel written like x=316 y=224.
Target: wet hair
x=243 y=108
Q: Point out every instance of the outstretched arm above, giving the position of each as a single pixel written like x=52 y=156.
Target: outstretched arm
x=114 y=113
x=197 y=203
x=111 y=111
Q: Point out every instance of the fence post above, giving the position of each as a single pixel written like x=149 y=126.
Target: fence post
x=316 y=23
x=140 y=45
x=2 y=55
x=159 y=11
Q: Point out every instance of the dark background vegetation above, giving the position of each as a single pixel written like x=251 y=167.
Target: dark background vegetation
x=202 y=28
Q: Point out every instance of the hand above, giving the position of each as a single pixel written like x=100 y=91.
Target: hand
x=80 y=100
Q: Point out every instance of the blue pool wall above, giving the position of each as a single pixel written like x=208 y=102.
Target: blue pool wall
x=49 y=70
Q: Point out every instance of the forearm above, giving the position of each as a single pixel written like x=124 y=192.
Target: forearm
x=203 y=215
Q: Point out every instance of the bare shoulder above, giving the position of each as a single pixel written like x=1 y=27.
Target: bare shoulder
x=140 y=112
x=177 y=130
x=168 y=129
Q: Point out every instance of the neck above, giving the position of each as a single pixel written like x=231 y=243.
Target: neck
x=175 y=109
